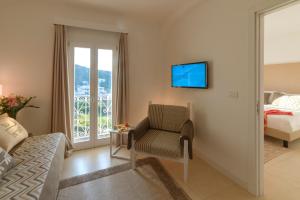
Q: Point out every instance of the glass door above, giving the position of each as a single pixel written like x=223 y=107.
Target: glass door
x=104 y=107
x=92 y=92
x=82 y=95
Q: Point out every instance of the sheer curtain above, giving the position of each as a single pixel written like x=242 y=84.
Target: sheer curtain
x=122 y=81
x=60 y=118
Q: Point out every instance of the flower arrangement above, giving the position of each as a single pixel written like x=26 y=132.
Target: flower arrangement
x=122 y=127
x=13 y=104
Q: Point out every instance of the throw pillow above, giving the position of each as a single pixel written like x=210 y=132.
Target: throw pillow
x=267 y=96
x=275 y=95
x=11 y=133
x=6 y=162
x=291 y=102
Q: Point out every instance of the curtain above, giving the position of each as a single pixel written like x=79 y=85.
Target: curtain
x=122 y=81
x=60 y=116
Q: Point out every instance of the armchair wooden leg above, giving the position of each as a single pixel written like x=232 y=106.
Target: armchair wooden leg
x=185 y=160
x=132 y=154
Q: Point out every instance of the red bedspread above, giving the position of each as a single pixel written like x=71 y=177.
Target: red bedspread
x=274 y=112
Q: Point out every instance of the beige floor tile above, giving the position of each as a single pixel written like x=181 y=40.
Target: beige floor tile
x=232 y=192
x=90 y=160
x=127 y=185
x=203 y=180
x=282 y=175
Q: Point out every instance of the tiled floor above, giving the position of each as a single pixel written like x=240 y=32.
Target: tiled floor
x=282 y=175
x=144 y=183
x=85 y=161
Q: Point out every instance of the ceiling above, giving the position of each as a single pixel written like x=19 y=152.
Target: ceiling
x=282 y=35
x=283 y=22
x=151 y=9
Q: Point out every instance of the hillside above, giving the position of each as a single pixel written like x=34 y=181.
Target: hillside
x=82 y=78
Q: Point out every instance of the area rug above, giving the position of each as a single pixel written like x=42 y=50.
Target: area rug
x=149 y=181
x=273 y=148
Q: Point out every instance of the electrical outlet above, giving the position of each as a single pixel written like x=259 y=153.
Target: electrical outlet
x=233 y=94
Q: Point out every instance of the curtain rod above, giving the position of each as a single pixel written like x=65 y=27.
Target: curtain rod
x=97 y=27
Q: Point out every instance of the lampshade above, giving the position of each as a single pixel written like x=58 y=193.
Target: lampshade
x=0 y=90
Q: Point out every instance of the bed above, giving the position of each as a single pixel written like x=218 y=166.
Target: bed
x=284 y=127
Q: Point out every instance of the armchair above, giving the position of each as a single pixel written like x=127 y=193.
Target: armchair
x=167 y=132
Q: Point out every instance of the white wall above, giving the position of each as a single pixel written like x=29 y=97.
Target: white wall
x=26 y=38
x=222 y=33
x=281 y=50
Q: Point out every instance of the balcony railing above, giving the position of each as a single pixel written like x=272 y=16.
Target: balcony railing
x=82 y=119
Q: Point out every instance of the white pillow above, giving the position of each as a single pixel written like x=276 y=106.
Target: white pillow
x=291 y=102
x=11 y=133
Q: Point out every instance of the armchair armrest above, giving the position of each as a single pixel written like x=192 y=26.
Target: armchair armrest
x=139 y=131
x=187 y=133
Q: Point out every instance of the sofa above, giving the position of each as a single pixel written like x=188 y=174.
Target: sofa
x=38 y=165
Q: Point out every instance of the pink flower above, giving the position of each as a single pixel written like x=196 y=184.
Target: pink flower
x=12 y=102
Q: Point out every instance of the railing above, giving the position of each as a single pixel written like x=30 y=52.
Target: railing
x=82 y=119
x=104 y=113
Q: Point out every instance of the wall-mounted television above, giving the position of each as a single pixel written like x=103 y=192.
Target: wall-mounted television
x=190 y=75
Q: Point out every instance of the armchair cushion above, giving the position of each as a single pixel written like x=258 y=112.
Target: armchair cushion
x=167 y=117
x=155 y=114
x=138 y=132
x=174 y=117
x=161 y=143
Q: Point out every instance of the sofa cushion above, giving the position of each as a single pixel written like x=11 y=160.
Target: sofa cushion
x=161 y=143
x=6 y=162
x=11 y=133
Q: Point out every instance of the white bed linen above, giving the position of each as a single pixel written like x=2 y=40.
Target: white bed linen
x=285 y=123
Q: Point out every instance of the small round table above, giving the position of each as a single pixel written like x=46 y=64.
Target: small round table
x=119 y=136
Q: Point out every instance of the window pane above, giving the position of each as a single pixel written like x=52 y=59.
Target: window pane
x=81 y=123
x=105 y=59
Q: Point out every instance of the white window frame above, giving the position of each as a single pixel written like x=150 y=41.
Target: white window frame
x=94 y=141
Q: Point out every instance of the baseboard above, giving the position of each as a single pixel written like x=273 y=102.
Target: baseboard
x=221 y=169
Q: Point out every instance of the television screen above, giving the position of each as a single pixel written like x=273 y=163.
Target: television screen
x=192 y=75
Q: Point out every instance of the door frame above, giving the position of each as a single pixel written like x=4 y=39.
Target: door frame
x=258 y=187
x=94 y=141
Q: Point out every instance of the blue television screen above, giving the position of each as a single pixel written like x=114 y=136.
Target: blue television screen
x=193 y=75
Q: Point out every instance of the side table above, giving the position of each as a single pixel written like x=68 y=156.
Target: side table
x=119 y=136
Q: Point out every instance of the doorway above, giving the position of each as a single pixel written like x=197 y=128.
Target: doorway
x=270 y=61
